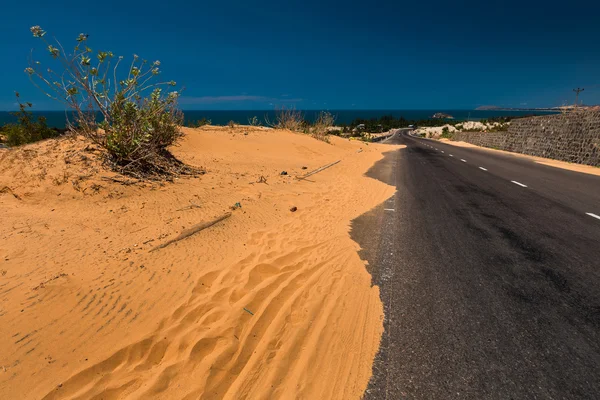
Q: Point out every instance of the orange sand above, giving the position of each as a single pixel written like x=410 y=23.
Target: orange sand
x=86 y=311
x=586 y=169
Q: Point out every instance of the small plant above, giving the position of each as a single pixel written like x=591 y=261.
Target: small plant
x=288 y=118
x=253 y=121
x=323 y=123
x=231 y=124
x=199 y=123
x=27 y=130
x=446 y=134
x=137 y=121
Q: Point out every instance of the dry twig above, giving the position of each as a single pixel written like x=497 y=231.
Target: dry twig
x=318 y=170
x=192 y=205
x=194 y=229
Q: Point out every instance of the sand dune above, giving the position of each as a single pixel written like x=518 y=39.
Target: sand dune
x=266 y=304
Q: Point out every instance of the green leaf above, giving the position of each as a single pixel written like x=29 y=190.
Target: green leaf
x=53 y=51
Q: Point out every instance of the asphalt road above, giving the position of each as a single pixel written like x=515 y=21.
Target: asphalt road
x=489 y=271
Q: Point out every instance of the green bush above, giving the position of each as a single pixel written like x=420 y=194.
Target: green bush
x=446 y=134
x=138 y=121
x=27 y=129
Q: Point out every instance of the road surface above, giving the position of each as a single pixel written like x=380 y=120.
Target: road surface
x=489 y=271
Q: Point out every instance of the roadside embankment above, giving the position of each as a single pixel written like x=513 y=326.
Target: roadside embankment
x=572 y=137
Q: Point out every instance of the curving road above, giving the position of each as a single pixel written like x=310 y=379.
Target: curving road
x=489 y=270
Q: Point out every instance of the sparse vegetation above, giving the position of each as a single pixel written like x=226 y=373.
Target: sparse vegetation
x=27 y=129
x=231 y=124
x=288 y=118
x=199 y=123
x=501 y=127
x=446 y=134
x=387 y=122
x=138 y=120
x=320 y=129
x=253 y=121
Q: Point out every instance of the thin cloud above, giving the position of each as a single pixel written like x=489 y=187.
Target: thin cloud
x=233 y=99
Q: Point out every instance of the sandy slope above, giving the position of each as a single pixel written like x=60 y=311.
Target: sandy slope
x=86 y=311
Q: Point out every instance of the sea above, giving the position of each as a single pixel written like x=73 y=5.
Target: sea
x=57 y=119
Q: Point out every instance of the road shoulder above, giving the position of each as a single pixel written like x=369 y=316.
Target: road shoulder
x=586 y=169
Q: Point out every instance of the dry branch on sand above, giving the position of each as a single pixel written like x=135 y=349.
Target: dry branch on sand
x=192 y=205
x=125 y=182
x=318 y=170
x=194 y=229
x=8 y=190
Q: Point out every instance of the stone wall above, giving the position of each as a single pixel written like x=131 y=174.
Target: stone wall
x=573 y=137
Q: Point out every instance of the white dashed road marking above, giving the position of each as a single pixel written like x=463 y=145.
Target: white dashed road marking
x=483 y=169
x=518 y=183
x=451 y=155
x=593 y=215
x=463 y=160
x=442 y=151
x=388 y=209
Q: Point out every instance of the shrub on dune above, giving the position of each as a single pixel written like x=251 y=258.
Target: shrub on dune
x=126 y=112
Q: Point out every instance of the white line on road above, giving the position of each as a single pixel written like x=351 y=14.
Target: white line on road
x=483 y=169
x=388 y=209
x=463 y=160
x=518 y=183
x=442 y=151
x=451 y=155
x=593 y=215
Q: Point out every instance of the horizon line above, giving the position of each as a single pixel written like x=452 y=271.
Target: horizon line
x=341 y=109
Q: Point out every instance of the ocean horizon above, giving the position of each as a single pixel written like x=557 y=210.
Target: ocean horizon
x=57 y=119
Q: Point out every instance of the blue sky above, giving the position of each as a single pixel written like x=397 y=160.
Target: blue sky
x=325 y=55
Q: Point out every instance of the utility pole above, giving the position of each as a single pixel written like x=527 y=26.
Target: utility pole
x=577 y=95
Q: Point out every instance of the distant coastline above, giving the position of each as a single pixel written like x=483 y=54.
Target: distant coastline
x=533 y=109
x=57 y=119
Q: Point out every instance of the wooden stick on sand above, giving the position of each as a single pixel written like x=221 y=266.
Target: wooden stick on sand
x=194 y=229
x=318 y=170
